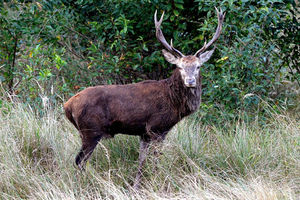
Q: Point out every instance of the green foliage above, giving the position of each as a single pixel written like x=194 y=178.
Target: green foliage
x=53 y=48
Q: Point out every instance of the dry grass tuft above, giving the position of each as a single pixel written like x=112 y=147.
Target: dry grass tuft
x=246 y=161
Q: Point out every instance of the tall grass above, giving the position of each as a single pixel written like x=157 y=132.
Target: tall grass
x=242 y=160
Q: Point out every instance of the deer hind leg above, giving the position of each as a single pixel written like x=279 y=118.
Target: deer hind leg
x=89 y=142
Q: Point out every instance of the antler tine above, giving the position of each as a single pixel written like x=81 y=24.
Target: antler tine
x=157 y=24
x=202 y=49
x=221 y=17
x=161 y=38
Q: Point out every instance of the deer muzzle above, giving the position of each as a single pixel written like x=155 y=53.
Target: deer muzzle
x=190 y=82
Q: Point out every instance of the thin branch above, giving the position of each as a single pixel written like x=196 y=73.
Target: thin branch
x=11 y=81
x=71 y=51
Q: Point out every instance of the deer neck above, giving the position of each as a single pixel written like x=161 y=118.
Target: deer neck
x=185 y=99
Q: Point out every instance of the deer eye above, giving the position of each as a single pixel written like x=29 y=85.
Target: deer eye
x=198 y=68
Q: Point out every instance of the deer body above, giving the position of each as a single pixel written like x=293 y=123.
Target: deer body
x=148 y=109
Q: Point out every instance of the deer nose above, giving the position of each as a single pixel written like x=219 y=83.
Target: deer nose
x=190 y=81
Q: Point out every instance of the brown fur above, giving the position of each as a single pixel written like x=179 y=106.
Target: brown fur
x=148 y=109
x=189 y=59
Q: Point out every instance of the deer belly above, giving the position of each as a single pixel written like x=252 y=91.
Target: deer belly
x=133 y=128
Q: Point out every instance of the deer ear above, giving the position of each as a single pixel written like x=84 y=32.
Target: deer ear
x=206 y=55
x=170 y=57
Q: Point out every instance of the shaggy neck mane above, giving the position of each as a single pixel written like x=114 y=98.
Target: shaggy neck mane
x=182 y=97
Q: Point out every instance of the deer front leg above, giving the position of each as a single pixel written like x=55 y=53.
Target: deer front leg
x=157 y=143
x=144 y=148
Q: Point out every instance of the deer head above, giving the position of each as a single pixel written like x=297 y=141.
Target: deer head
x=189 y=65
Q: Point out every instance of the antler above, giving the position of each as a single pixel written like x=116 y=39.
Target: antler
x=161 y=38
x=221 y=17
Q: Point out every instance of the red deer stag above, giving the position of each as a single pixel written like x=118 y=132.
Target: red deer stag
x=148 y=109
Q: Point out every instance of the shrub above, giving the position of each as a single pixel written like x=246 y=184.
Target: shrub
x=58 y=47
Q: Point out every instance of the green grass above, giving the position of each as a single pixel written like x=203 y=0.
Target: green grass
x=241 y=160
